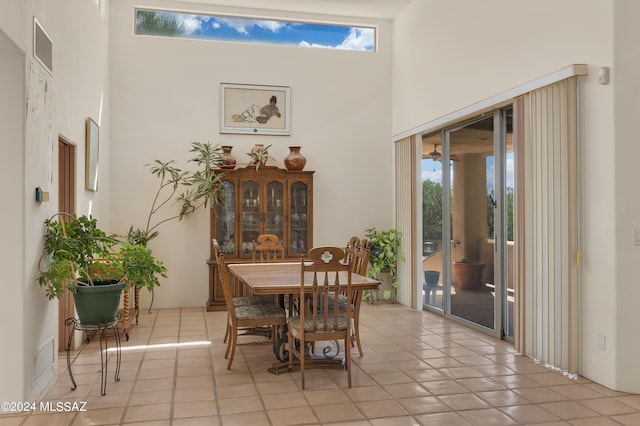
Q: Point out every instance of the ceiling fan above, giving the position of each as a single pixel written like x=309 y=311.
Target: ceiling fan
x=435 y=155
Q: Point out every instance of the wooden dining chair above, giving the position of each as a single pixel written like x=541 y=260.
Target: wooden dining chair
x=350 y=250
x=268 y=248
x=241 y=300
x=356 y=252
x=246 y=317
x=322 y=273
x=359 y=265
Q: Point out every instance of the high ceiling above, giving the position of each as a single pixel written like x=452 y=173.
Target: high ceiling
x=379 y=9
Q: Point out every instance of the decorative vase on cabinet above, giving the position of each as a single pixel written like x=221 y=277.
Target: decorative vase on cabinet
x=295 y=160
x=227 y=159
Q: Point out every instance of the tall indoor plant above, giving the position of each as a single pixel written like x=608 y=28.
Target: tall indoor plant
x=81 y=257
x=384 y=257
x=190 y=189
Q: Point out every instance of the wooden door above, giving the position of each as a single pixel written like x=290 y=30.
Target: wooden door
x=67 y=204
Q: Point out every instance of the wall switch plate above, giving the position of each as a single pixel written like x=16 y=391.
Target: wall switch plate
x=603 y=75
x=636 y=237
x=602 y=342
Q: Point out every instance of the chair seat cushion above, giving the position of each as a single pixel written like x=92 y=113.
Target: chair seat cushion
x=253 y=300
x=308 y=323
x=252 y=312
x=342 y=302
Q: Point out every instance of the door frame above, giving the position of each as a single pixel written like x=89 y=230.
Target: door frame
x=67 y=204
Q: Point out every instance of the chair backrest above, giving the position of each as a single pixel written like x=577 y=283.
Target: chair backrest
x=327 y=276
x=268 y=248
x=225 y=280
x=350 y=250
x=360 y=262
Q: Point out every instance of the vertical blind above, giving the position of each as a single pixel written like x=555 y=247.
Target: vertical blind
x=547 y=225
x=405 y=172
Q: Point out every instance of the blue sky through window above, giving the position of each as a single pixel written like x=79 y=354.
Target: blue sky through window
x=432 y=170
x=210 y=27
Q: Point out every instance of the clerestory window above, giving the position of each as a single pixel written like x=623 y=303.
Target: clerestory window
x=234 y=29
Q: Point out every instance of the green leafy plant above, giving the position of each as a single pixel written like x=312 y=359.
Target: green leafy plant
x=190 y=189
x=77 y=252
x=385 y=254
x=259 y=156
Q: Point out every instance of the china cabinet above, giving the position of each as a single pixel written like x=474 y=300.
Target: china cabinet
x=266 y=200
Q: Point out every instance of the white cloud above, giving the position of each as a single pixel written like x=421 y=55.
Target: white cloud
x=432 y=175
x=510 y=171
x=243 y=26
x=190 y=23
x=509 y=174
x=273 y=26
x=359 y=39
x=307 y=44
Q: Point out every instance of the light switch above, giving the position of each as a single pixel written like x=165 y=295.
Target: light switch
x=603 y=75
x=636 y=237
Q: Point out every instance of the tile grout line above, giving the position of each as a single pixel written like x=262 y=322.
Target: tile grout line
x=175 y=369
x=137 y=374
x=212 y=365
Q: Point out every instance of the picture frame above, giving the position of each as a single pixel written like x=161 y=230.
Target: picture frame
x=92 y=154
x=255 y=109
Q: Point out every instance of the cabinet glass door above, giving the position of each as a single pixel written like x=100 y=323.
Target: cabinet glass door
x=225 y=218
x=250 y=216
x=275 y=209
x=298 y=243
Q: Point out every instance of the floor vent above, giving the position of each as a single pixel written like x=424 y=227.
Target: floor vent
x=42 y=46
x=44 y=360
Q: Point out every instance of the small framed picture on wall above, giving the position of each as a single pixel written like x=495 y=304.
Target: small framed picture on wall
x=92 y=154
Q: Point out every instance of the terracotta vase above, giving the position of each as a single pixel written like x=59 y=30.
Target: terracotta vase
x=295 y=160
x=228 y=162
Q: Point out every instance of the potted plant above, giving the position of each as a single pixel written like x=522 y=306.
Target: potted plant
x=259 y=155
x=385 y=253
x=94 y=266
x=190 y=189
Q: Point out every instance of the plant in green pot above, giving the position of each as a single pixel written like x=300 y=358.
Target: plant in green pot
x=384 y=257
x=94 y=266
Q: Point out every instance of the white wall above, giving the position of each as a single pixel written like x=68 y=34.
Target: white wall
x=444 y=60
x=165 y=94
x=55 y=104
x=624 y=143
x=12 y=188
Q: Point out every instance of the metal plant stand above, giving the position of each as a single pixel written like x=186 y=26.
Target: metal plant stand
x=101 y=329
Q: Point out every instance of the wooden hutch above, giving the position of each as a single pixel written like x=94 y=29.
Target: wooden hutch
x=267 y=200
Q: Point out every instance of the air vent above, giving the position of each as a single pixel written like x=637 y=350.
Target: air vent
x=44 y=360
x=42 y=46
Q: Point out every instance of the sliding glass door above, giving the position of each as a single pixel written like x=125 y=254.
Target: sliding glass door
x=469 y=205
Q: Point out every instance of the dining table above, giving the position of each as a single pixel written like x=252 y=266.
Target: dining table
x=283 y=279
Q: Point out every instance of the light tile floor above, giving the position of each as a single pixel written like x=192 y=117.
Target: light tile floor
x=418 y=368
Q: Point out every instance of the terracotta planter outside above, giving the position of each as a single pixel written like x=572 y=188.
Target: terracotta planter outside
x=468 y=274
